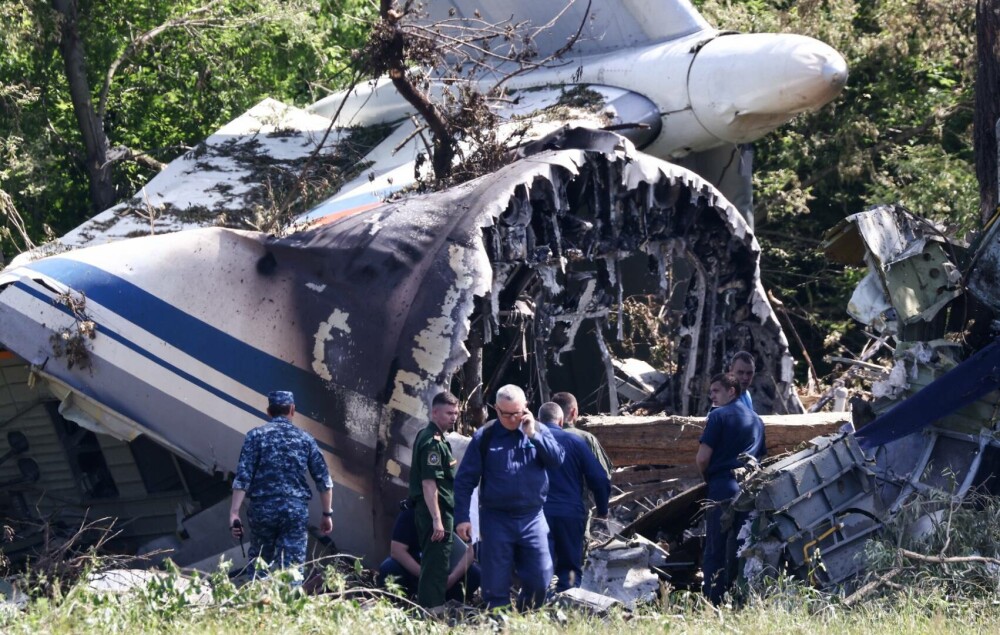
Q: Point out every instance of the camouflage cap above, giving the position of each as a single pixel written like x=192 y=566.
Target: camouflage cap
x=280 y=398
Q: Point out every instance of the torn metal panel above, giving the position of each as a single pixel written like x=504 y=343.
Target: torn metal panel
x=636 y=379
x=913 y=272
x=971 y=380
x=621 y=570
x=820 y=505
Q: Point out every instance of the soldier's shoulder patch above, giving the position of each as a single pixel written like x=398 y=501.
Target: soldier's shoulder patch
x=434 y=458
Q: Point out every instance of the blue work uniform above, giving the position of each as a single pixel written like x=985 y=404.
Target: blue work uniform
x=565 y=512
x=272 y=467
x=746 y=400
x=731 y=430
x=513 y=484
x=405 y=532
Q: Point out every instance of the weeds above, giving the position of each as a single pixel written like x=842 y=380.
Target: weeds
x=946 y=578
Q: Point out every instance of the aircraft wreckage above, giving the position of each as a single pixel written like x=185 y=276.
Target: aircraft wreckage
x=135 y=363
x=929 y=433
x=138 y=347
x=365 y=316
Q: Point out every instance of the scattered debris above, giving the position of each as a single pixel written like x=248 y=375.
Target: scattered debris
x=623 y=570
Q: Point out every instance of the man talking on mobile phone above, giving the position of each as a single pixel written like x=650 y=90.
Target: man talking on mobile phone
x=508 y=462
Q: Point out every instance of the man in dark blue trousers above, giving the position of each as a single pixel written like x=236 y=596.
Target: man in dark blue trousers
x=731 y=431
x=508 y=458
x=564 y=509
x=403 y=562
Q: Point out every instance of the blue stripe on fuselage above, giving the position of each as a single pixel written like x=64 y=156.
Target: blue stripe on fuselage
x=213 y=347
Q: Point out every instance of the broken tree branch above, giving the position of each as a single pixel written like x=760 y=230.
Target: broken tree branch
x=779 y=308
x=913 y=555
x=867 y=589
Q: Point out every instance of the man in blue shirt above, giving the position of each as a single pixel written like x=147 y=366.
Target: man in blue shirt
x=404 y=559
x=743 y=368
x=731 y=431
x=565 y=512
x=507 y=458
x=571 y=410
x=271 y=471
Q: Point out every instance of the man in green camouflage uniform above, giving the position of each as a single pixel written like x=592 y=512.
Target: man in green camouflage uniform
x=432 y=485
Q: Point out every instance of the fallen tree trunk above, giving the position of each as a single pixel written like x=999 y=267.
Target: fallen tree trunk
x=670 y=440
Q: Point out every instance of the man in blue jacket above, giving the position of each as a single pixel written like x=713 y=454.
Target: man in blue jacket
x=564 y=509
x=508 y=462
x=731 y=431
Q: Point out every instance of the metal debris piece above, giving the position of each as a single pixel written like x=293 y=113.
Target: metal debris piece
x=582 y=599
x=636 y=379
x=821 y=505
x=621 y=570
x=913 y=273
x=369 y=314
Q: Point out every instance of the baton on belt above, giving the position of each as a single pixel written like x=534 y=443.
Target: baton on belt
x=239 y=525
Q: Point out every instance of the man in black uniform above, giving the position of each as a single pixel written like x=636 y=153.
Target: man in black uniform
x=432 y=486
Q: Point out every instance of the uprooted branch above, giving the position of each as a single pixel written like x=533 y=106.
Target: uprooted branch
x=63 y=558
x=456 y=55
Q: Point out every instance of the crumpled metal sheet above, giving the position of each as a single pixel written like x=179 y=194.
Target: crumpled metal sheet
x=912 y=274
x=972 y=379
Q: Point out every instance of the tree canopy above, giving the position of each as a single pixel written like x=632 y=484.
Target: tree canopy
x=159 y=77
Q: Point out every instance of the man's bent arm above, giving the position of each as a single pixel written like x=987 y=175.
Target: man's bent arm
x=550 y=451
x=326 y=499
x=401 y=554
x=463 y=565
x=234 y=508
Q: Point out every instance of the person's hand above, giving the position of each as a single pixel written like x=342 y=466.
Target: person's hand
x=236 y=526
x=437 y=530
x=528 y=424
x=326 y=525
x=464 y=531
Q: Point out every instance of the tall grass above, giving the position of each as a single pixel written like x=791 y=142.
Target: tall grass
x=943 y=597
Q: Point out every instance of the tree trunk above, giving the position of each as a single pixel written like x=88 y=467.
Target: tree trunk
x=95 y=141
x=987 y=104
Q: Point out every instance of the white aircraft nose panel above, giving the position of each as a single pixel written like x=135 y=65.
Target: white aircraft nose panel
x=743 y=86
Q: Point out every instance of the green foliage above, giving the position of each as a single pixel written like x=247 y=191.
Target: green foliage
x=940 y=527
x=164 y=96
x=900 y=132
